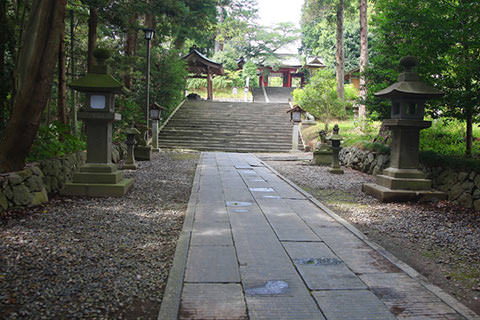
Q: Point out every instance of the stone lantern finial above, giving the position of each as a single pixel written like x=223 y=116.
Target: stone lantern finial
x=101 y=55
x=408 y=63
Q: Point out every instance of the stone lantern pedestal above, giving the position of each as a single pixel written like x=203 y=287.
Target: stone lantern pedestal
x=99 y=176
x=403 y=181
x=130 y=163
x=322 y=155
x=336 y=140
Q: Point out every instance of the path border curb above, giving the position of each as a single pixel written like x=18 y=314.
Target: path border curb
x=437 y=291
x=173 y=291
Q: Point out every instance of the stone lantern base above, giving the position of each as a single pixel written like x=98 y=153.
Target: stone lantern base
x=98 y=180
x=143 y=153
x=402 y=185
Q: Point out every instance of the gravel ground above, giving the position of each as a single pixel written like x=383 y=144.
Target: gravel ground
x=440 y=240
x=96 y=257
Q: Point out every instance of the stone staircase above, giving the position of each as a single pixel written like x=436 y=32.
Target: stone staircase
x=229 y=126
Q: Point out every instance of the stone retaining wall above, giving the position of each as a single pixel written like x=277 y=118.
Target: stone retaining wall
x=31 y=186
x=462 y=185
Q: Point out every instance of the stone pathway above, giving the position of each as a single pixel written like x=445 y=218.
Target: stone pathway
x=254 y=246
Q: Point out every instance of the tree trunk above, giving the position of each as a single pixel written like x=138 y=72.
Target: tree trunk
x=92 y=37
x=469 y=137
x=363 y=59
x=3 y=72
x=73 y=109
x=34 y=76
x=62 y=81
x=130 y=49
x=219 y=44
x=340 y=54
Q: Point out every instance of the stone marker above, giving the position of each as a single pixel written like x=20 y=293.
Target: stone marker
x=403 y=181
x=98 y=177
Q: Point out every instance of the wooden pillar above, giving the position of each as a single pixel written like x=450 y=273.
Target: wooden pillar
x=209 y=85
x=289 y=79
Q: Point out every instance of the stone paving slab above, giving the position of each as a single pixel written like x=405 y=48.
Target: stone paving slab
x=406 y=298
x=320 y=268
x=208 y=264
x=352 y=305
x=258 y=247
x=213 y=301
x=289 y=227
x=213 y=234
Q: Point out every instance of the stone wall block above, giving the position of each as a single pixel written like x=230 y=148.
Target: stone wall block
x=468 y=186
x=476 y=204
x=21 y=196
x=476 y=180
x=34 y=183
x=476 y=194
x=25 y=173
x=455 y=191
x=39 y=197
x=36 y=171
x=472 y=175
x=3 y=201
x=462 y=176
x=14 y=179
x=465 y=200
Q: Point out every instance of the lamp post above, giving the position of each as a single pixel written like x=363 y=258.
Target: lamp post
x=155 y=116
x=296 y=118
x=149 y=33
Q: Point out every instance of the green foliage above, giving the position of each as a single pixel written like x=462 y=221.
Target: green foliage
x=445 y=36
x=168 y=76
x=54 y=141
x=375 y=147
x=447 y=137
x=319 y=97
x=433 y=159
x=319 y=32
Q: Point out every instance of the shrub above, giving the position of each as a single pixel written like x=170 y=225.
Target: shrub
x=54 y=141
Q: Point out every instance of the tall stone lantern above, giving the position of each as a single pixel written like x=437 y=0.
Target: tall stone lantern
x=403 y=181
x=99 y=176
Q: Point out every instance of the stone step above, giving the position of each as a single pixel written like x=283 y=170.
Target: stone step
x=233 y=135
x=224 y=148
x=227 y=126
x=232 y=127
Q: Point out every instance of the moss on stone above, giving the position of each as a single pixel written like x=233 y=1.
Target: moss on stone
x=39 y=197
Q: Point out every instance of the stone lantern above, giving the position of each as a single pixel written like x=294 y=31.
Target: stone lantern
x=336 y=140
x=99 y=176
x=403 y=181
x=295 y=117
x=130 y=163
x=322 y=154
x=155 y=116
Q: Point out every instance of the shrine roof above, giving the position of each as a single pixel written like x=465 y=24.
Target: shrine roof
x=199 y=64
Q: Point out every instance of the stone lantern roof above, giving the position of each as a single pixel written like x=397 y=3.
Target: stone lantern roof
x=409 y=84
x=98 y=80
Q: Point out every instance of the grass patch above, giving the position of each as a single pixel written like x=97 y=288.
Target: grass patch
x=468 y=273
x=432 y=254
x=185 y=156
x=349 y=130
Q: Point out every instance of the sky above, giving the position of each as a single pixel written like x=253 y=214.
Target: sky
x=273 y=11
